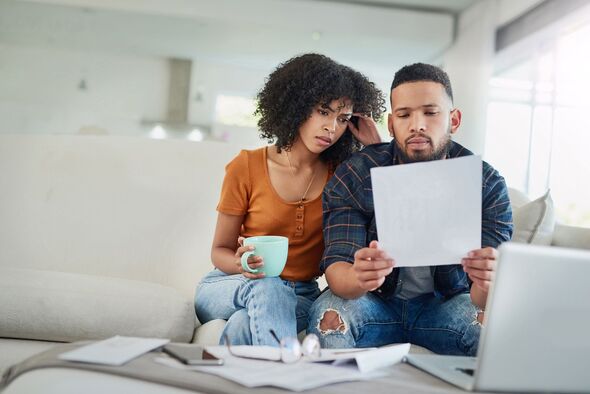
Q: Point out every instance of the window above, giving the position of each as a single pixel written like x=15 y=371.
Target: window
x=235 y=111
x=538 y=129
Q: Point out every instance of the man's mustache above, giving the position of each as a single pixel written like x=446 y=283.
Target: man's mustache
x=418 y=135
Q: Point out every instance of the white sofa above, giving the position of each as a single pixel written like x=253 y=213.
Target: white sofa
x=105 y=235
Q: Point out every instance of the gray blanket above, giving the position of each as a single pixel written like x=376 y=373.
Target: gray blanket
x=402 y=378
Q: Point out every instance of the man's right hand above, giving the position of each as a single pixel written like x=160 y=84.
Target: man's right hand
x=254 y=262
x=371 y=266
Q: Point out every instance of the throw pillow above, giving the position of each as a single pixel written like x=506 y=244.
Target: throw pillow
x=534 y=222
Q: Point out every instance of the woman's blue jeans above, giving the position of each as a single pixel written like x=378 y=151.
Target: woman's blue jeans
x=443 y=326
x=253 y=307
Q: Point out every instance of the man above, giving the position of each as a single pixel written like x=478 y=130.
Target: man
x=372 y=303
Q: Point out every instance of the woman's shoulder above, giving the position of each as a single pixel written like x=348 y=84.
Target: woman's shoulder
x=246 y=159
x=246 y=155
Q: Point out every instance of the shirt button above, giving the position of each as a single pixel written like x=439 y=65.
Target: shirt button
x=299 y=227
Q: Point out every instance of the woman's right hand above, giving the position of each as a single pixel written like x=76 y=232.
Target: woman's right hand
x=254 y=262
x=366 y=132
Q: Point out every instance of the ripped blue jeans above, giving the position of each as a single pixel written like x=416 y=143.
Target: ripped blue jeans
x=254 y=306
x=442 y=326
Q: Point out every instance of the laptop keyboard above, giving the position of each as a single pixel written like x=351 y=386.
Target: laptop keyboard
x=468 y=371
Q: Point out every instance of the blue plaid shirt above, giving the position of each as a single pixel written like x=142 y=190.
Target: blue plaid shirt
x=349 y=217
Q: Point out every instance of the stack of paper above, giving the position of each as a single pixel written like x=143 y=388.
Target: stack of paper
x=339 y=365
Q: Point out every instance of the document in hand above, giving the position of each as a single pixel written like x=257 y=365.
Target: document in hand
x=428 y=213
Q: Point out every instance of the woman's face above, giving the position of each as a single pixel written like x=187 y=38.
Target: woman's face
x=325 y=125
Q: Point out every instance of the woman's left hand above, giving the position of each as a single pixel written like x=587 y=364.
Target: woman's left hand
x=366 y=132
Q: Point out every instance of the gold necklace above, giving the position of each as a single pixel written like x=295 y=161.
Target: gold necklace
x=295 y=177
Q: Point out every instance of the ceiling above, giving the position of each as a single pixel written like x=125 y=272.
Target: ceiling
x=374 y=35
x=446 y=6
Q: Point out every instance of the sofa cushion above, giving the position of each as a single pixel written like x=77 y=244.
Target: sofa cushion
x=517 y=198
x=534 y=221
x=58 y=306
x=126 y=206
x=209 y=333
x=571 y=236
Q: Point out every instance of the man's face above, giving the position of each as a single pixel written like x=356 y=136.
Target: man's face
x=422 y=121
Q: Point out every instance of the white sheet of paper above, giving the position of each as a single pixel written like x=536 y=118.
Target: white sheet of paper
x=372 y=359
x=428 y=213
x=294 y=377
x=344 y=366
x=113 y=351
x=366 y=360
x=256 y=352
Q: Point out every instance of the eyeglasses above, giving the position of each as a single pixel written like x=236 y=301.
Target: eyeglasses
x=291 y=350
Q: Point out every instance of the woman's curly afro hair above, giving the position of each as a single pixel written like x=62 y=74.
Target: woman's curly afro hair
x=296 y=86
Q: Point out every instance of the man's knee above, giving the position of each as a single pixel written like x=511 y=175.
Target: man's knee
x=331 y=321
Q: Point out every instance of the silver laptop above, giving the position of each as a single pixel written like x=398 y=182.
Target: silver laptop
x=536 y=334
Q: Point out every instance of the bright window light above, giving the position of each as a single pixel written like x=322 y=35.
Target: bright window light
x=537 y=129
x=195 y=135
x=158 y=133
x=235 y=111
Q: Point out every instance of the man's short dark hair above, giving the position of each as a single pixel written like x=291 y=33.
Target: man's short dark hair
x=422 y=72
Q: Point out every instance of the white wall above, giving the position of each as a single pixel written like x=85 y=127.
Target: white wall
x=39 y=84
x=469 y=65
x=212 y=79
x=470 y=60
x=39 y=90
x=40 y=93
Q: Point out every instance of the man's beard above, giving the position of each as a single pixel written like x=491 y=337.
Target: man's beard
x=439 y=152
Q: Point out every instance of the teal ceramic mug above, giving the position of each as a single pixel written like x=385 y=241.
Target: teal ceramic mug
x=272 y=248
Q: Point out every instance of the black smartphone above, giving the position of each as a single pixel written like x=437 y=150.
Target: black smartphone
x=355 y=121
x=191 y=354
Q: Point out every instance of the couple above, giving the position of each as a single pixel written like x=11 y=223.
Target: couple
x=320 y=114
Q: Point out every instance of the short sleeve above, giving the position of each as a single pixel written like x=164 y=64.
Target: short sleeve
x=235 y=191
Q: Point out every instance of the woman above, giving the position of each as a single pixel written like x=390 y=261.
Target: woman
x=305 y=107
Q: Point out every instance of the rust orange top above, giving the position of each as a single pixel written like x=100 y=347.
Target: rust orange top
x=247 y=190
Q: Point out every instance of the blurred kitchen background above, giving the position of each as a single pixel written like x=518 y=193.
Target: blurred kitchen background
x=190 y=69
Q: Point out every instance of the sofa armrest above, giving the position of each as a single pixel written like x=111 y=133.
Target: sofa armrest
x=66 y=307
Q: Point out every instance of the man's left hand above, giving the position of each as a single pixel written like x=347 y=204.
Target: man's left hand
x=480 y=265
